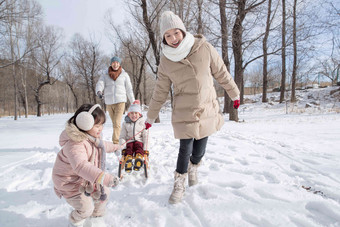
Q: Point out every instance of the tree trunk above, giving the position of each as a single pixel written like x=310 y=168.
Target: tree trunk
x=237 y=47
x=283 y=55
x=25 y=93
x=228 y=107
x=37 y=97
x=152 y=39
x=144 y=91
x=293 y=98
x=150 y=31
x=199 y=19
x=74 y=95
x=265 y=54
x=15 y=83
x=15 y=92
x=13 y=59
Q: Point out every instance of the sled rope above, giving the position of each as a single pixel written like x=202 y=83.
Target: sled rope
x=147 y=139
x=129 y=140
x=133 y=136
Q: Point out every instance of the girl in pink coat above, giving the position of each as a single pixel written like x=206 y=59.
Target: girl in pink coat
x=78 y=173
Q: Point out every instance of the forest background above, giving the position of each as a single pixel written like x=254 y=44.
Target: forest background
x=267 y=45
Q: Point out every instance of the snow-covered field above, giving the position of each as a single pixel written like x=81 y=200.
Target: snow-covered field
x=270 y=169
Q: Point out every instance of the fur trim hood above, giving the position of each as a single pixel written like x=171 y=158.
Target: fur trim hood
x=71 y=132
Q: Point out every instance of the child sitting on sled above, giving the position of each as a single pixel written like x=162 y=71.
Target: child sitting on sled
x=79 y=170
x=133 y=138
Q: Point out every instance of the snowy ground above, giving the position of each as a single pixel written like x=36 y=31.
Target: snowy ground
x=271 y=169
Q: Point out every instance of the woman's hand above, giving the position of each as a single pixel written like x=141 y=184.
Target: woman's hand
x=147 y=125
x=236 y=103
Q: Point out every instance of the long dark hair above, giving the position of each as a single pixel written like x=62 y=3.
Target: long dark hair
x=98 y=115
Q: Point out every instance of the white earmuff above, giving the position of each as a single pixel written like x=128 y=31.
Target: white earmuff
x=85 y=120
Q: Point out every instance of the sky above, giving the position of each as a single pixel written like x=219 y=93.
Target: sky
x=269 y=169
x=83 y=16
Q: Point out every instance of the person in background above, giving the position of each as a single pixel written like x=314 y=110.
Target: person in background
x=189 y=64
x=115 y=87
x=79 y=169
x=133 y=137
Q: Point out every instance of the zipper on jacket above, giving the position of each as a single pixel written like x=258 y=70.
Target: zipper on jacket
x=133 y=131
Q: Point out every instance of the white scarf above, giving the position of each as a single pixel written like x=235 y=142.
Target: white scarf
x=177 y=54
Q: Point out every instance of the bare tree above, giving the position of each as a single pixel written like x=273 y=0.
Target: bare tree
x=33 y=17
x=228 y=107
x=283 y=53
x=150 y=20
x=199 y=17
x=134 y=48
x=47 y=57
x=88 y=61
x=237 y=37
x=329 y=69
x=265 y=52
x=16 y=14
x=147 y=22
x=293 y=98
x=70 y=79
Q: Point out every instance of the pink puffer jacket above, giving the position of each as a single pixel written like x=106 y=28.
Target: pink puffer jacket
x=72 y=166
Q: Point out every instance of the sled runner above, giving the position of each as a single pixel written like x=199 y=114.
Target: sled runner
x=145 y=165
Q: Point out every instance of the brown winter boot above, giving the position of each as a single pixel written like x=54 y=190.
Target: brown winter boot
x=179 y=188
x=192 y=173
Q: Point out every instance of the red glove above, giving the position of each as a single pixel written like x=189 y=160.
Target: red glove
x=236 y=103
x=147 y=125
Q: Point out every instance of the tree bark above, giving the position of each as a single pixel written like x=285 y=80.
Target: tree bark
x=150 y=31
x=293 y=97
x=237 y=46
x=283 y=54
x=199 y=18
x=265 y=54
x=228 y=107
x=152 y=39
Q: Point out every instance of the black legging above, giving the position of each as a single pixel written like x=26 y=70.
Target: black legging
x=190 y=149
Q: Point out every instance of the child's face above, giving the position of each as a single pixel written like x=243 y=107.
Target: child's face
x=173 y=37
x=134 y=116
x=96 y=130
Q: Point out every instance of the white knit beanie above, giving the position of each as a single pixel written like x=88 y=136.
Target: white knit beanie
x=169 y=20
x=135 y=107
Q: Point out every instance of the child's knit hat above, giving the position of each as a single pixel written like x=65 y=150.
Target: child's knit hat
x=169 y=20
x=135 y=107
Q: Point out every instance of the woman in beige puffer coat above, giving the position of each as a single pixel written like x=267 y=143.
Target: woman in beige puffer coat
x=189 y=64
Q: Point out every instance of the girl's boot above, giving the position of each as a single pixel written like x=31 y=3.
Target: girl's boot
x=179 y=188
x=192 y=172
x=77 y=224
x=95 y=222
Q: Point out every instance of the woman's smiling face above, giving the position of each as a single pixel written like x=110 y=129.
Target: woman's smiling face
x=173 y=37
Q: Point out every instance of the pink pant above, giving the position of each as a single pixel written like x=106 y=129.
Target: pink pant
x=85 y=206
